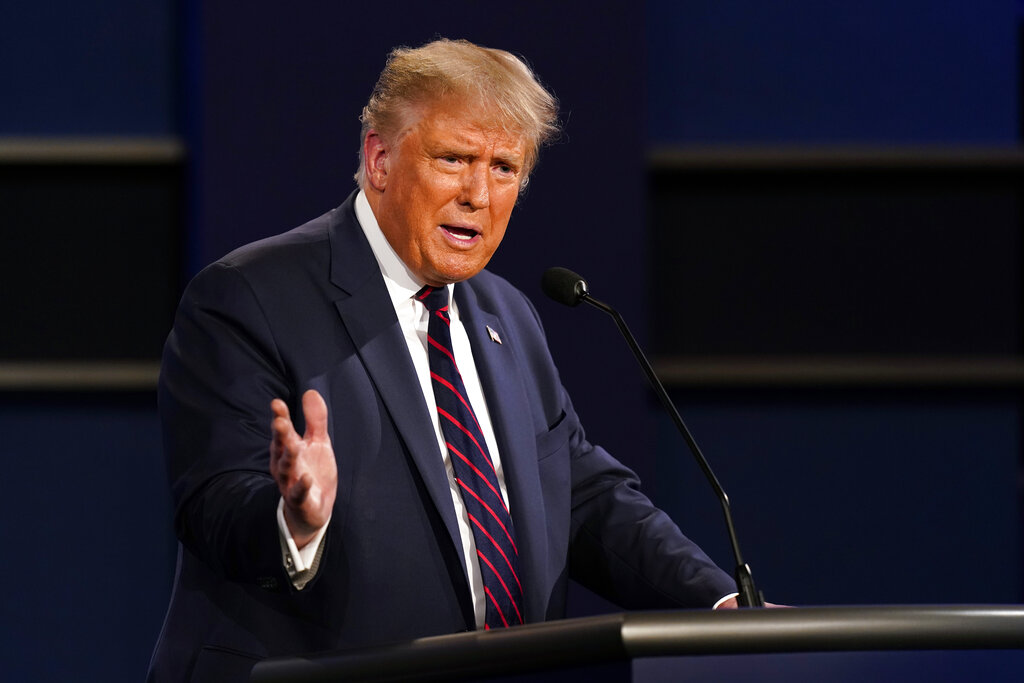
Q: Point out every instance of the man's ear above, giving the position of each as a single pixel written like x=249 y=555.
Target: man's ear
x=375 y=156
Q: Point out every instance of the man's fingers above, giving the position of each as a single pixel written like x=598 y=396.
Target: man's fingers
x=279 y=408
x=282 y=422
x=315 y=411
x=282 y=434
x=292 y=455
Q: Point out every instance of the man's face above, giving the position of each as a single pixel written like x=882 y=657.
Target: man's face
x=444 y=194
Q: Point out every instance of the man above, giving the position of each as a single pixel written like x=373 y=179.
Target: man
x=426 y=469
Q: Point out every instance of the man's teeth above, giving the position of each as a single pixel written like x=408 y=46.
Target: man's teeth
x=460 y=233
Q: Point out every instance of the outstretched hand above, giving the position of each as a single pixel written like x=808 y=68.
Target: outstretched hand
x=304 y=467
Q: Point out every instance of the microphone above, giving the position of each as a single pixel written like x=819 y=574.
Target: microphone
x=566 y=287
x=563 y=285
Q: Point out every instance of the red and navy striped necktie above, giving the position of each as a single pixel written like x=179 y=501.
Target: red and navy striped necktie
x=474 y=470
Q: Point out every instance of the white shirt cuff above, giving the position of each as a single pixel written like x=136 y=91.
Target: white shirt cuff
x=302 y=559
x=717 y=604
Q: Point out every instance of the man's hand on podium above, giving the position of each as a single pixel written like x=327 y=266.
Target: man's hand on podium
x=733 y=603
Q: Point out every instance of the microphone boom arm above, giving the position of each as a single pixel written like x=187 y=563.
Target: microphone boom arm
x=749 y=596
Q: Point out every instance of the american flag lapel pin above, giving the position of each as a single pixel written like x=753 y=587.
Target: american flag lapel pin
x=495 y=337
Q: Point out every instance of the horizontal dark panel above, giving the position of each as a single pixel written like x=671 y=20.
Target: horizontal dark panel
x=839 y=371
x=837 y=261
x=90 y=259
x=918 y=158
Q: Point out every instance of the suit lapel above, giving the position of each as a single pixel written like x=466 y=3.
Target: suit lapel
x=369 y=317
x=501 y=378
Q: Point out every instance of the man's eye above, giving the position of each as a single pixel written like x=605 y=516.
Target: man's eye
x=505 y=169
x=450 y=160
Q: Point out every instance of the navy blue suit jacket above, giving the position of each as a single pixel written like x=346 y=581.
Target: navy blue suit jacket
x=308 y=309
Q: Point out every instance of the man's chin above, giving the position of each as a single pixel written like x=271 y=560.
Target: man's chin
x=448 y=273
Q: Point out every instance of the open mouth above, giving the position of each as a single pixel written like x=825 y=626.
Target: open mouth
x=461 y=234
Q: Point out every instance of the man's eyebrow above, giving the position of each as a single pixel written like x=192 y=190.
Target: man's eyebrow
x=510 y=159
x=513 y=160
x=450 y=147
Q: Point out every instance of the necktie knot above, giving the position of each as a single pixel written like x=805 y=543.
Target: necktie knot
x=434 y=298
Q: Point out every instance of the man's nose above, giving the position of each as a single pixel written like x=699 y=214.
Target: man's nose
x=475 y=189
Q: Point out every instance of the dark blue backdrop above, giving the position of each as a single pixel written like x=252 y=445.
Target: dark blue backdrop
x=872 y=497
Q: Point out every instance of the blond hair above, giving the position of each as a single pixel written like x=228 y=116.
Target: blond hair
x=498 y=82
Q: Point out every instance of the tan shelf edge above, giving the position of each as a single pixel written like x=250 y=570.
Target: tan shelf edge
x=91 y=150
x=78 y=376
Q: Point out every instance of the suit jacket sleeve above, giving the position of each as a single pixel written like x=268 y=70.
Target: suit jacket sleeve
x=627 y=550
x=620 y=545
x=220 y=371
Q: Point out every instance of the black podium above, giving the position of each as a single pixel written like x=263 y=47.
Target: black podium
x=609 y=647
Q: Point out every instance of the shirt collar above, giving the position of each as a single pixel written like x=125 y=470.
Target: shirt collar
x=402 y=284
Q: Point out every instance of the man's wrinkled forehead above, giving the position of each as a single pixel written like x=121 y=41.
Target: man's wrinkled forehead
x=476 y=116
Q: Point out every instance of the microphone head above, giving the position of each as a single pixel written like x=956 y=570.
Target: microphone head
x=563 y=285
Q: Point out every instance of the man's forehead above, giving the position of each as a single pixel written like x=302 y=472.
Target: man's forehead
x=448 y=123
x=468 y=133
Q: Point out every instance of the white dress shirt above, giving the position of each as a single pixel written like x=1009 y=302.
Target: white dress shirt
x=402 y=286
